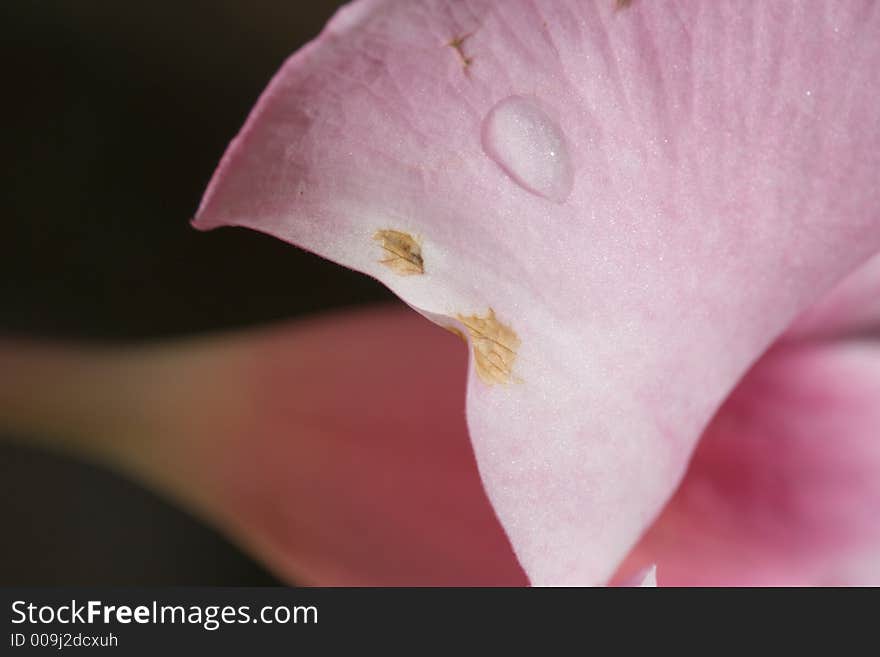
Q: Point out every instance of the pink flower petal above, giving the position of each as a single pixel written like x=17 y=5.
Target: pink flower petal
x=851 y=308
x=649 y=580
x=784 y=487
x=622 y=208
x=324 y=452
x=647 y=577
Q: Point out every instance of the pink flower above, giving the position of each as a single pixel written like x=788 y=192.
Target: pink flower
x=322 y=450
x=654 y=224
x=621 y=209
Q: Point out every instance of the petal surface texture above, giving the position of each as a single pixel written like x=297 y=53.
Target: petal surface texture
x=620 y=209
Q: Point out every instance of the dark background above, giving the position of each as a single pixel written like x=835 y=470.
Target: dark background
x=116 y=114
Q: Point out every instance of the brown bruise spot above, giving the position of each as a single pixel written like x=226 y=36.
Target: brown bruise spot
x=621 y=4
x=456 y=44
x=403 y=254
x=495 y=347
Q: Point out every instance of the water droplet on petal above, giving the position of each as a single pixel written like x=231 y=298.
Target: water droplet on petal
x=530 y=147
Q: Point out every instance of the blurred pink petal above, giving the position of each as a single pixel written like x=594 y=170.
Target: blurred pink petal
x=784 y=488
x=623 y=209
x=325 y=452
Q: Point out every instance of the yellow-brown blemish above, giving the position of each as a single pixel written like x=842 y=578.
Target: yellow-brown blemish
x=621 y=4
x=403 y=252
x=495 y=347
x=457 y=45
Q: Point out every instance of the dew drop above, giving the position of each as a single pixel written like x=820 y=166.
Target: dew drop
x=529 y=146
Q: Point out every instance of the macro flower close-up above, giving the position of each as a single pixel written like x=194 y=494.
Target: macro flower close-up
x=637 y=246
x=619 y=209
